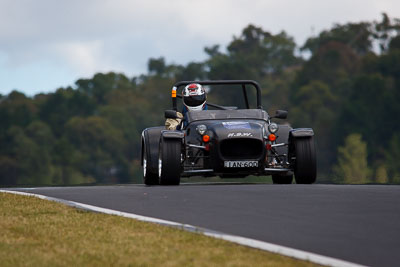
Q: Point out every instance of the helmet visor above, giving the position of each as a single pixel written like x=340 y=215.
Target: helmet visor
x=194 y=100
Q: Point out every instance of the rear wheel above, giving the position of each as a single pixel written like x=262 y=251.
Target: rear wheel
x=150 y=176
x=169 y=161
x=278 y=179
x=305 y=169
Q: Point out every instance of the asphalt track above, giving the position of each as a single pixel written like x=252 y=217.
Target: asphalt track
x=356 y=223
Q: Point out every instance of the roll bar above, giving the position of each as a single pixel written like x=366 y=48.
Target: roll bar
x=219 y=82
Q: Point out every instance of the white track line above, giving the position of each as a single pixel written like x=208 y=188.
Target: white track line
x=294 y=253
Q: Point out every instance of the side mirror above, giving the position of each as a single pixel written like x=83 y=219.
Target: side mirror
x=280 y=114
x=170 y=114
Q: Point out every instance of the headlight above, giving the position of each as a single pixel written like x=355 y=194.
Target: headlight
x=201 y=129
x=273 y=127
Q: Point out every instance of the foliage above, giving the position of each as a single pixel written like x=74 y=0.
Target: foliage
x=392 y=158
x=352 y=166
x=355 y=35
x=90 y=132
x=381 y=175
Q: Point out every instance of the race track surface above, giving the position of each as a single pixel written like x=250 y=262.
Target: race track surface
x=357 y=223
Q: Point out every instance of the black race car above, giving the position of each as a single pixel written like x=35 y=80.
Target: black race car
x=228 y=142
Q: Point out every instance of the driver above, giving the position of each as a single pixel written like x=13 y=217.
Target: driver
x=194 y=99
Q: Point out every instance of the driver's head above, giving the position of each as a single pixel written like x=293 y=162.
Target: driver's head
x=194 y=96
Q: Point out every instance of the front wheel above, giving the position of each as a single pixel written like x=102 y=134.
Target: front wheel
x=305 y=167
x=169 y=161
x=150 y=177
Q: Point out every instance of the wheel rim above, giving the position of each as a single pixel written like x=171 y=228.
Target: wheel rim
x=144 y=167
x=159 y=167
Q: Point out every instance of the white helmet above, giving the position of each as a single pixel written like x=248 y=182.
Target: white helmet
x=194 y=96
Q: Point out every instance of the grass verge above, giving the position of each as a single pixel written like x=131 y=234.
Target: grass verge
x=35 y=232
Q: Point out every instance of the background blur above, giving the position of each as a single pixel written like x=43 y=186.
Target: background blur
x=115 y=62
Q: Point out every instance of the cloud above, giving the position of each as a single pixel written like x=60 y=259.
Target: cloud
x=83 y=37
x=85 y=57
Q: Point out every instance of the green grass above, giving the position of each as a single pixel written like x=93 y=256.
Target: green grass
x=35 y=232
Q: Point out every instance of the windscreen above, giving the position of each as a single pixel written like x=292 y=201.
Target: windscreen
x=228 y=96
x=232 y=95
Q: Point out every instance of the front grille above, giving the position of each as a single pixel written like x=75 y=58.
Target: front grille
x=241 y=148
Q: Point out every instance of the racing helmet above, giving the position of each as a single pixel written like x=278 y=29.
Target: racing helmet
x=194 y=96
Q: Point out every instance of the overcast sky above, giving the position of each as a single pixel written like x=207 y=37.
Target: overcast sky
x=47 y=44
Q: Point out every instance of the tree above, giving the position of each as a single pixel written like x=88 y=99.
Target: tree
x=334 y=63
x=57 y=108
x=358 y=36
x=192 y=71
x=32 y=155
x=394 y=43
x=156 y=66
x=8 y=170
x=371 y=110
x=69 y=160
x=16 y=109
x=352 y=166
x=392 y=158
x=262 y=51
x=101 y=84
x=385 y=30
x=381 y=175
x=99 y=145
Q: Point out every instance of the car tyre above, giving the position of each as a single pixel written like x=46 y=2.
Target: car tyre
x=280 y=179
x=150 y=177
x=305 y=166
x=169 y=161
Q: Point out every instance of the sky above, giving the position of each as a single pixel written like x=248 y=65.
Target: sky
x=48 y=44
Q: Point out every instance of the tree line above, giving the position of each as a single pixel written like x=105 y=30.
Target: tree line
x=347 y=88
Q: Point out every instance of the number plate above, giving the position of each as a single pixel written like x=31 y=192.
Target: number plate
x=241 y=164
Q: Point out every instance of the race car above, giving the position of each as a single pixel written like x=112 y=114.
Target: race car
x=228 y=142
